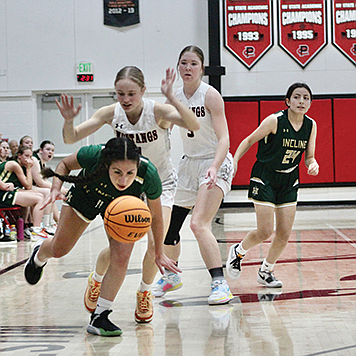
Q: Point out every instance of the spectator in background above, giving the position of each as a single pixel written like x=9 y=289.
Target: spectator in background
x=41 y=185
x=26 y=141
x=5 y=152
x=14 y=146
x=40 y=157
x=16 y=188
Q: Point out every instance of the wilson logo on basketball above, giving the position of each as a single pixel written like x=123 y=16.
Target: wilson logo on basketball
x=136 y=218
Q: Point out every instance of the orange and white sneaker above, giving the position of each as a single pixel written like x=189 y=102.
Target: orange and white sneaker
x=91 y=294
x=144 y=307
x=38 y=233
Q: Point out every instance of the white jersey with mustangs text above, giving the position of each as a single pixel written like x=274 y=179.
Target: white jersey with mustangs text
x=201 y=143
x=153 y=141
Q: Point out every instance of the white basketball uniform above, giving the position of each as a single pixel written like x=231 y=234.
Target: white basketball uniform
x=154 y=143
x=199 y=151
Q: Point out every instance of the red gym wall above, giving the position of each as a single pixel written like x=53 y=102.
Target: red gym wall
x=335 y=142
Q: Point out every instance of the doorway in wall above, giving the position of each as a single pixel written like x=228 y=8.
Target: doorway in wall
x=50 y=121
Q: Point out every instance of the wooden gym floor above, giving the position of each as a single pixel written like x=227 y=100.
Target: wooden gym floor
x=313 y=314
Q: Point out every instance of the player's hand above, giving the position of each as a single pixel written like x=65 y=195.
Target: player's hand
x=67 y=109
x=52 y=197
x=9 y=187
x=313 y=168
x=211 y=175
x=28 y=163
x=162 y=261
x=167 y=83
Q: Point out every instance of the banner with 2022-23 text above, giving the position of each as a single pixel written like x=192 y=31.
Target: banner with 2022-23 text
x=121 y=13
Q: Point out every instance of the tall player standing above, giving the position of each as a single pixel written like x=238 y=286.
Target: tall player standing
x=204 y=175
x=148 y=124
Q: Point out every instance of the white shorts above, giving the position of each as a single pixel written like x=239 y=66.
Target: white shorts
x=169 y=188
x=191 y=175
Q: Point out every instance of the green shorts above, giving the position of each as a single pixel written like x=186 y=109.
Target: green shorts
x=85 y=205
x=7 y=199
x=273 y=188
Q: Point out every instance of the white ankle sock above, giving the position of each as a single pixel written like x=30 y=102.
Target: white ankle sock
x=267 y=266
x=45 y=220
x=38 y=262
x=98 y=277
x=102 y=305
x=240 y=250
x=143 y=286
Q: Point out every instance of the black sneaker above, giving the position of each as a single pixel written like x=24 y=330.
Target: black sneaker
x=101 y=325
x=268 y=279
x=233 y=263
x=33 y=273
x=269 y=296
x=27 y=233
x=6 y=238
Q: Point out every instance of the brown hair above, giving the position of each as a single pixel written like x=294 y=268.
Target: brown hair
x=133 y=73
x=197 y=51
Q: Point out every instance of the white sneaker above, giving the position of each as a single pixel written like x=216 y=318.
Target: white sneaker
x=220 y=293
x=50 y=230
x=166 y=284
x=233 y=263
x=38 y=234
x=268 y=279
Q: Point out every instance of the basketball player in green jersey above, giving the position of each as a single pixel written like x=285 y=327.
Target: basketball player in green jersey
x=107 y=173
x=282 y=138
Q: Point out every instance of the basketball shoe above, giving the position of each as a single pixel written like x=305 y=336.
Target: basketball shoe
x=33 y=273
x=101 y=325
x=167 y=283
x=268 y=296
x=233 y=263
x=38 y=233
x=144 y=307
x=220 y=293
x=268 y=279
x=91 y=294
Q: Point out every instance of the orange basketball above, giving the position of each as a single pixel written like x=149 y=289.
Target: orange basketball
x=127 y=219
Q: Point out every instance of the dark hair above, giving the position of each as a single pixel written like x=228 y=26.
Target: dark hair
x=196 y=50
x=22 y=149
x=133 y=73
x=46 y=142
x=295 y=86
x=43 y=144
x=116 y=149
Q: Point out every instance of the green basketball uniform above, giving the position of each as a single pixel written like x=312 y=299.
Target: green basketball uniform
x=92 y=198
x=7 y=199
x=275 y=175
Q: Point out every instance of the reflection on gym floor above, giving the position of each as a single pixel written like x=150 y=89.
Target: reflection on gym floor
x=313 y=314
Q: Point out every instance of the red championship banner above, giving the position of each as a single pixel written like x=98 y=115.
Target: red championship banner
x=344 y=28
x=302 y=28
x=248 y=29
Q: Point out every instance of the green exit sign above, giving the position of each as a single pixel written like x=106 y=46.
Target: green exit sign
x=85 y=68
x=85 y=72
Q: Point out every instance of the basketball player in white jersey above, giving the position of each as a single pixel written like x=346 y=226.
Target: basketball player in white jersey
x=204 y=176
x=148 y=124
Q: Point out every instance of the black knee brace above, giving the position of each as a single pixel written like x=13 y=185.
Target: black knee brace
x=177 y=219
